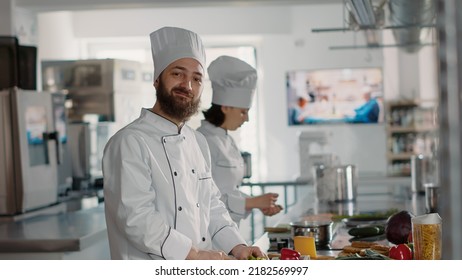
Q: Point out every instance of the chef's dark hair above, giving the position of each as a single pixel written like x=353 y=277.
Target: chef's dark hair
x=214 y=115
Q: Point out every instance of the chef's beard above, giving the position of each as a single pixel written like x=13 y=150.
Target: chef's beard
x=173 y=107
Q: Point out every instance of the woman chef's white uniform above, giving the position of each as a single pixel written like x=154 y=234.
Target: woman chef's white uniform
x=160 y=198
x=233 y=83
x=227 y=169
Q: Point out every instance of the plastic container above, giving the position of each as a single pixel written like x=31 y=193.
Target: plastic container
x=426 y=235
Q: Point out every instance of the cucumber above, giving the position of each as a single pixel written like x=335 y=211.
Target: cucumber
x=381 y=229
x=366 y=231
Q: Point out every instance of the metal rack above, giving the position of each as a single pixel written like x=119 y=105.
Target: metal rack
x=287 y=201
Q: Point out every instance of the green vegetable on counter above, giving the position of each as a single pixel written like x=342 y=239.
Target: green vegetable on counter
x=369 y=255
x=256 y=258
x=377 y=214
x=367 y=231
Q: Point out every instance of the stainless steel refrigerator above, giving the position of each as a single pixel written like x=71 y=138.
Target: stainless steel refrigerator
x=32 y=133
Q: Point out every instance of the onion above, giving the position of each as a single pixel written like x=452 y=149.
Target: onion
x=399 y=227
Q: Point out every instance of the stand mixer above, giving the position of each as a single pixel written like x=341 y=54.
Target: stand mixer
x=308 y=155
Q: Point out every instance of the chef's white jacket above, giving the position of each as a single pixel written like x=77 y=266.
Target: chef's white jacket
x=160 y=198
x=227 y=168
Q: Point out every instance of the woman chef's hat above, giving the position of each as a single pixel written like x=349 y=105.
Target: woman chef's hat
x=233 y=82
x=172 y=43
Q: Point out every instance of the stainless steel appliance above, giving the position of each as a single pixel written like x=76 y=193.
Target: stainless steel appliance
x=30 y=151
x=431 y=197
x=79 y=147
x=64 y=158
x=103 y=95
x=309 y=157
x=422 y=171
x=336 y=183
x=109 y=88
x=18 y=67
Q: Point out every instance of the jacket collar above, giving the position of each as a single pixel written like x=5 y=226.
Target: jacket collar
x=160 y=123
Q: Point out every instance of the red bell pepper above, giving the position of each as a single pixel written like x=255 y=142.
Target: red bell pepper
x=289 y=254
x=400 y=252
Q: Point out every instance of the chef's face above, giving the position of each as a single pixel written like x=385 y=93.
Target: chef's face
x=179 y=87
x=234 y=117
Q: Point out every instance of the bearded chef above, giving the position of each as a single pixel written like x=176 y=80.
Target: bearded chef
x=233 y=83
x=160 y=199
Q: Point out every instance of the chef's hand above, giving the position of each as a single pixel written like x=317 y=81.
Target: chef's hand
x=261 y=202
x=243 y=252
x=197 y=254
x=273 y=210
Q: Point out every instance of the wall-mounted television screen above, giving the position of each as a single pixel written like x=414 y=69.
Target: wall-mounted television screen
x=328 y=96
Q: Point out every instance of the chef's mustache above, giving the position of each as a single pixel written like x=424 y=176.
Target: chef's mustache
x=183 y=90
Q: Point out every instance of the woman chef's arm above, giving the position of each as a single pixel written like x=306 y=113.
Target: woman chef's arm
x=236 y=204
x=227 y=177
x=261 y=202
x=241 y=205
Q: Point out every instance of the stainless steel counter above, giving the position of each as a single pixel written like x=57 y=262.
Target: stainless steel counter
x=293 y=192
x=72 y=235
x=82 y=234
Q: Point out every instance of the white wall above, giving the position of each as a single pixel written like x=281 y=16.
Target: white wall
x=6 y=18
x=303 y=49
x=57 y=38
x=284 y=41
x=25 y=26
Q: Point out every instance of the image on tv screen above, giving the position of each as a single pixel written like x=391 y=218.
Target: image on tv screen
x=328 y=96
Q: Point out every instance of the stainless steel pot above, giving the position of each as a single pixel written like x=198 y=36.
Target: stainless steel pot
x=321 y=231
x=422 y=171
x=336 y=183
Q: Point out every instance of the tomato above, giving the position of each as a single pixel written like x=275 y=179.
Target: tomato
x=400 y=252
x=289 y=254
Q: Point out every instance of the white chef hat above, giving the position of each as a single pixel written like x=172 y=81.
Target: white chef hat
x=233 y=82
x=172 y=43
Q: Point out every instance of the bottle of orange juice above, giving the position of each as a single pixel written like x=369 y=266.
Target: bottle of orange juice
x=306 y=245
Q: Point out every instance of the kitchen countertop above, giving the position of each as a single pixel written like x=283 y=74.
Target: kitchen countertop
x=68 y=233
x=370 y=199
x=82 y=234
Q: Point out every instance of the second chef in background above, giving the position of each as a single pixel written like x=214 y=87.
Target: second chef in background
x=233 y=83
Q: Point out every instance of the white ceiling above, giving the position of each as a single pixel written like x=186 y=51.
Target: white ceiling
x=65 y=5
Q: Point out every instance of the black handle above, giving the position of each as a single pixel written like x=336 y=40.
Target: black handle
x=54 y=135
x=46 y=137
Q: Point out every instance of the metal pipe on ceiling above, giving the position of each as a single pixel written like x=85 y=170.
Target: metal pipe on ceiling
x=416 y=13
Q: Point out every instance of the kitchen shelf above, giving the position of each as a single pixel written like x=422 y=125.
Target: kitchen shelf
x=402 y=156
x=410 y=130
